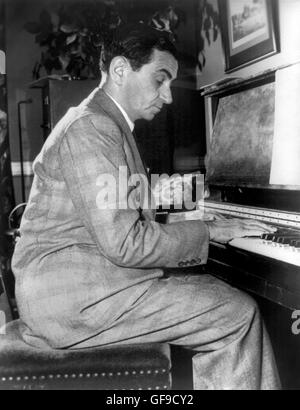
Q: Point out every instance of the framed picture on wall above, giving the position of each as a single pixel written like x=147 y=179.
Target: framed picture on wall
x=249 y=31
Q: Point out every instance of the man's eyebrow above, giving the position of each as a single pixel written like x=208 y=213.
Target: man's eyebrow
x=169 y=75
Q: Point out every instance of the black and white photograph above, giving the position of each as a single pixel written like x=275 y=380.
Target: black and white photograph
x=249 y=21
x=149 y=197
x=250 y=31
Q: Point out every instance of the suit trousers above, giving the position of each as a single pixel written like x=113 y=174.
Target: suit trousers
x=220 y=323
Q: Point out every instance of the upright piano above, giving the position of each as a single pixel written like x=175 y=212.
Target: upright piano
x=253 y=171
x=242 y=137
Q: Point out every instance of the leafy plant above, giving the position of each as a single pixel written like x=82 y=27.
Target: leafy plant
x=71 y=39
x=209 y=23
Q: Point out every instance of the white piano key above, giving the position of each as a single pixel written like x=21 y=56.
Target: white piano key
x=284 y=254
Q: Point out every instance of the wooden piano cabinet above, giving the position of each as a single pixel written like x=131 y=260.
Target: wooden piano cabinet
x=273 y=280
x=276 y=288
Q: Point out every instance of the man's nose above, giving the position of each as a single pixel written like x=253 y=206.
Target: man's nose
x=166 y=95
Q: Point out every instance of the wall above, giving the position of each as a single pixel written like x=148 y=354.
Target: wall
x=289 y=18
x=22 y=53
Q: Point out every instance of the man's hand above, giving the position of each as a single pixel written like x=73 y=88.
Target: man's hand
x=224 y=230
x=212 y=216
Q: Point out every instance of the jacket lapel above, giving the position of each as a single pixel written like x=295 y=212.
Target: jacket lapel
x=106 y=104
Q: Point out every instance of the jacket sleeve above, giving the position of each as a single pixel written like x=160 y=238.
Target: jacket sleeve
x=92 y=149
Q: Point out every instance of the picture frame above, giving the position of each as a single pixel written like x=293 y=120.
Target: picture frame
x=249 y=31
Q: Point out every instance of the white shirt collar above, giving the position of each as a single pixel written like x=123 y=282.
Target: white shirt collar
x=128 y=120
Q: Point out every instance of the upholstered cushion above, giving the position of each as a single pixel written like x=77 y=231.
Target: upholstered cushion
x=143 y=366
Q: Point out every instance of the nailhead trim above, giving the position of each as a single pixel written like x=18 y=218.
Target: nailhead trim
x=81 y=375
x=149 y=388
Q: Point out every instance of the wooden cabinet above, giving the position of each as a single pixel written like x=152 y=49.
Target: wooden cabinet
x=58 y=96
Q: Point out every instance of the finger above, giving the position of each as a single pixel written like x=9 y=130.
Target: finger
x=214 y=216
x=253 y=223
x=251 y=232
x=208 y=218
x=259 y=228
x=220 y=217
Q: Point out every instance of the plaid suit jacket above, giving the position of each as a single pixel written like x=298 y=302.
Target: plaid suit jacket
x=79 y=267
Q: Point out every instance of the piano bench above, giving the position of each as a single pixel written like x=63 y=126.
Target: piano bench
x=138 y=367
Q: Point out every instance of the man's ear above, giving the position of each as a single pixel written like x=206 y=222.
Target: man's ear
x=118 y=69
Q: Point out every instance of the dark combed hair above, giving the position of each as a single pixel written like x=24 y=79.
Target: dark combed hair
x=136 y=43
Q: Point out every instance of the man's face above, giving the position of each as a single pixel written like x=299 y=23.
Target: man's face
x=147 y=90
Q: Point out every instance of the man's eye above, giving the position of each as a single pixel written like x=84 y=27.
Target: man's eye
x=159 y=82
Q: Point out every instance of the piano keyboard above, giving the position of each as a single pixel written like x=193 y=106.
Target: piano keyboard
x=287 y=254
x=283 y=245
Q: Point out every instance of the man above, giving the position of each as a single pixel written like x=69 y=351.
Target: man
x=90 y=275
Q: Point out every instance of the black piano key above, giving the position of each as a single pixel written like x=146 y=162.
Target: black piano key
x=287 y=234
x=295 y=243
x=282 y=236
x=268 y=236
x=286 y=240
x=279 y=238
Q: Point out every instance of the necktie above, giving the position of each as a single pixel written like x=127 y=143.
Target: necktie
x=138 y=144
